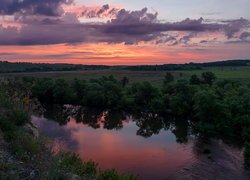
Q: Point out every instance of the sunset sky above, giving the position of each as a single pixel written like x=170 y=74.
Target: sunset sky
x=124 y=32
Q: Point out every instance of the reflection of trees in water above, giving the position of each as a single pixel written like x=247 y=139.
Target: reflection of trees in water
x=92 y=117
x=180 y=129
x=114 y=120
x=57 y=113
x=149 y=124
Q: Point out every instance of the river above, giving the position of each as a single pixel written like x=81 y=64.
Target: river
x=144 y=145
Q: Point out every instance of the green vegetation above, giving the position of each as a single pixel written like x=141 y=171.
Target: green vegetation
x=221 y=107
x=33 y=151
x=215 y=103
x=240 y=74
x=216 y=107
x=70 y=162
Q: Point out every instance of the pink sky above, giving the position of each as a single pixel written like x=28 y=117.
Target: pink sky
x=115 y=35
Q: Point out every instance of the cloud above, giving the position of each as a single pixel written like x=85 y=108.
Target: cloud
x=132 y=17
x=234 y=26
x=244 y=35
x=129 y=27
x=33 y=7
x=105 y=11
x=187 y=38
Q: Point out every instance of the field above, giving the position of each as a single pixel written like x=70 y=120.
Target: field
x=155 y=77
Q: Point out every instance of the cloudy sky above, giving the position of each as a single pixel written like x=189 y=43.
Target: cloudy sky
x=124 y=31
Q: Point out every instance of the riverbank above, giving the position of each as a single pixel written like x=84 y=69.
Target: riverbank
x=31 y=158
x=26 y=155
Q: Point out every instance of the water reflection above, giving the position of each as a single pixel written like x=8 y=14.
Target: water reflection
x=149 y=124
x=143 y=144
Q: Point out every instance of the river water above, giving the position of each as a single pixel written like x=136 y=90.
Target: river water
x=144 y=145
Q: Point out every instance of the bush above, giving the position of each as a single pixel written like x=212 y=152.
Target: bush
x=113 y=175
x=4 y=101
x=7 y=127
x=25 y=146
x=71 y=162
x=19 y=117
x=68 y=164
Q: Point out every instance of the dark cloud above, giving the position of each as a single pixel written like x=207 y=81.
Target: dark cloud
x=244 y=35
x=103 y=9
x=128 y=27
x=32 y=7
x=187 y=38
x=234 y=26
x=238 y=42
x=133 y=17
x=94 y=12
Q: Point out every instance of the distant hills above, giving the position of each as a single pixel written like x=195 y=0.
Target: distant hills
x=9 y=67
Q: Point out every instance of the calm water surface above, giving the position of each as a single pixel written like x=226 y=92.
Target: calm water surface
x=146 y=145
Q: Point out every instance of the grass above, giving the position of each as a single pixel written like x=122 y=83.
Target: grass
x=155 y=77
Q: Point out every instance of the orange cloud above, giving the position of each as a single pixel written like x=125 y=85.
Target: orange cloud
x=120 y=54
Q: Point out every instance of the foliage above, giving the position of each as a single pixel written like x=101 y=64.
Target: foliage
x=168 y=78
x=113 y=175
x=70 y=162
x=194 y=79
x=73 y=165
x=208 y=77
x=25 y=146
x=143 y=93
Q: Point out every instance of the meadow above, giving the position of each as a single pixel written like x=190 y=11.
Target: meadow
x=155 y=77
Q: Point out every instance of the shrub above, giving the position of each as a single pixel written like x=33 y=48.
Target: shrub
x=71 y=162
x=8 y=128
x=19 y=117
x=25 y=146
x=113 y=175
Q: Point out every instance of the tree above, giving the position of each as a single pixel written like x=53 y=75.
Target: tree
x=61 y=91
x=124 y=81
x=208 y=78
x=79 y=88
x=194 y=79
x=144 y=93
x=211 y=112
x=43 y=90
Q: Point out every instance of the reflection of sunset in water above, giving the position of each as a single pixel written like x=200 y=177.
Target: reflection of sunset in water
x=160 y=155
